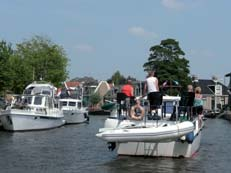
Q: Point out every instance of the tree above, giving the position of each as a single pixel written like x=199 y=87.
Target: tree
x=95 y=98
x=6 y=52
x=43 y=59
x=118 y=79
x=168 y=60
x=20 y=74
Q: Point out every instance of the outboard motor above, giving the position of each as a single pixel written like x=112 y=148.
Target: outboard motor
x=86 y=116
x=111 y=146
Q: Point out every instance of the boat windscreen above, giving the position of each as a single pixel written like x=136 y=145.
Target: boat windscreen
x=38 y=101
x=72 y=103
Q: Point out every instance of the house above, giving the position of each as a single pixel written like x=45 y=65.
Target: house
x=68 y=89
x=215 y=94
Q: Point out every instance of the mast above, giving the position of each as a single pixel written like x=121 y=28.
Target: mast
x=229 y=87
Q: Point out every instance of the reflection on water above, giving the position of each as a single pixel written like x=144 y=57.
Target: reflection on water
x=75 y=148
x=142 y=164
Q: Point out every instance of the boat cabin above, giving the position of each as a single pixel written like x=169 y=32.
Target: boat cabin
x=38 y=103
x=40 y=89
x=70 y=103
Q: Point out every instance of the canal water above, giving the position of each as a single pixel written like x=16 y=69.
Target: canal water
x=74 y=148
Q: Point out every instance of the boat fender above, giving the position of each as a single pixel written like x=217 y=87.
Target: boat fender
x=190 y=137
x=111 y=146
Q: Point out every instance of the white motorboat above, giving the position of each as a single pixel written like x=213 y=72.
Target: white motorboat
x=73 y=111
x=37 y=110
x=161 y=137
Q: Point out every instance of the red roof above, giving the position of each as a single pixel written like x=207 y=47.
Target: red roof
x=71 y=85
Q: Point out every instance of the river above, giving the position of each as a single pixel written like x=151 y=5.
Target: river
x=74 y=148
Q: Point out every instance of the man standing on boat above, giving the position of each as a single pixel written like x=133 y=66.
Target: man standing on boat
x=151 y=87
x=127 y=89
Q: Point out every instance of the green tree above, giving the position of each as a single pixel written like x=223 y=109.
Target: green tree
x=118 y=79
x=20 y=76
x=43 y=60
x=6 y=52
x=168 y=60
x=95 y=98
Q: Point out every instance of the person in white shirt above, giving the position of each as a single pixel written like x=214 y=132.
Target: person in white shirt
x=151 y=87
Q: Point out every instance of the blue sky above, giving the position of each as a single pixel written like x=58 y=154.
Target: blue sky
x=103 y=36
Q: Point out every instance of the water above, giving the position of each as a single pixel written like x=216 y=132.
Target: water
x=75 y=148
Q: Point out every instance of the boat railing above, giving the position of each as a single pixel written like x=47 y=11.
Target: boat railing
x=174 y=108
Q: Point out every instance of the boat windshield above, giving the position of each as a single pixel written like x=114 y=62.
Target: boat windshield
x=27 y=100
x=38 y=100
x=79 y=105
x=46 y=92
x=63 y=103
x=72 y=104
x=28 y=91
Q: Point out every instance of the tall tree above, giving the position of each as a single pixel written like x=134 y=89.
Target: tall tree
x=20 y=74
x=44 y=60
x=168 y=60
x=118 y=78
x=6 y=52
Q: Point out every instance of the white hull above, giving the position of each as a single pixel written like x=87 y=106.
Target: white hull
x=171 y=147
x=23 y=120
x=178 y=148
x=75 y=116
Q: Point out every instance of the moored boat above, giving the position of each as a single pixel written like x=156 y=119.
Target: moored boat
x=36 y=109
x=73 y=111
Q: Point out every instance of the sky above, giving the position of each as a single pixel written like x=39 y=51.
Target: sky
x=101 y=37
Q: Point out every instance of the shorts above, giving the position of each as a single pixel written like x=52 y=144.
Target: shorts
x=155 y=99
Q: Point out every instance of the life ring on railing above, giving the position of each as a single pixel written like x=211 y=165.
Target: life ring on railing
x=137 y=112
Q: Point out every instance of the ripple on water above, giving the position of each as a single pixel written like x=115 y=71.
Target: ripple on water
x=75 y=148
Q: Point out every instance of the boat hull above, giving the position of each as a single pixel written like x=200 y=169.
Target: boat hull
x=75 y=116
x=21 y=120
x=184 y=146
x=178 y=148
